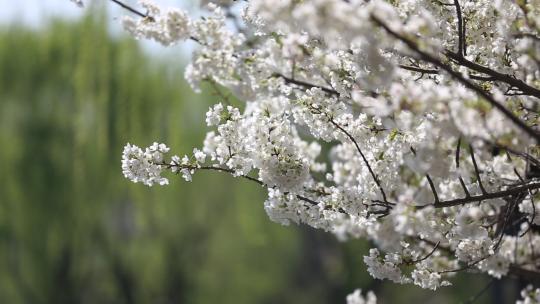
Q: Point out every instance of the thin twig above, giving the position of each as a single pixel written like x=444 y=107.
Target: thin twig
x=476 y=170
x=531 y=221
x=419 y=70
x=133 y=10
x=430 y=181
x=458 y=149
x=426 y=256
x=527 y=156
x=468 y=266
x=306 y=84
x=507 y=215
x=498 y=76
x=482 y=197
x=432 y=186
x=461 y=38
x=247 y=177
x=366 y=162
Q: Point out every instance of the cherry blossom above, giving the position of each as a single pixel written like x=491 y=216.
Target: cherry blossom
x=428 y=113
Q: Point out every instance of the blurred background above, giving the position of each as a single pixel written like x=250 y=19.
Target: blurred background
x=73 y=91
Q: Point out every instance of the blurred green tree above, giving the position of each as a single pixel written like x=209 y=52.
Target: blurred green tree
x=72 y=230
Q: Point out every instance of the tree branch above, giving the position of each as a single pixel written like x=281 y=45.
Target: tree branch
x=482 y=197
x=247 y=177
x=460 y=29
x=458 y=149
x=366 y=162
x=306 y=84
x=497 y=76
x=476 y=171
x=419 y=70
x=437 y=62
x=133 y=10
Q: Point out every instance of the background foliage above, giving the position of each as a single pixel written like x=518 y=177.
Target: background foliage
x=73 y=230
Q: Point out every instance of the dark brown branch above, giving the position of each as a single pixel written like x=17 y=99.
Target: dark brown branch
x=366 y=162
x=497 y=76
x=531 y=221
x=508 y=212
x=527 y=35
x=458 y=149
x=464 y=30
x=509 y=159
x=419 y=70
x=467 y=266
x=437 y=62
x=432 y=186
x=442 y=3
x=524 y=155
x=425 y=257
x=436 y=72
x=364 y=159
x=133 y=10
x=460 y=29
x=150 y=18
x=250 y=178
x=302 y=198
x=482 y=197
x=476 y=170
x=467 y=194
x=306 y=84
x=532 y=276
x=482 y=78
x=430 y=181
x=228 y=171
x=533 y=211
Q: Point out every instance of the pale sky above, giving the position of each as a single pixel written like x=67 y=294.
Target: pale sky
x=36 y=12
x=33 y=12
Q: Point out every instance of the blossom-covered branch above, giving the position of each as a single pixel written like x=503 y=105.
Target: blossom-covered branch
x=394 y=92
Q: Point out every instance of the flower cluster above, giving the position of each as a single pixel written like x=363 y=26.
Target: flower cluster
x=144 y=166
x=164 y=27
x=427 y=114
x=357 y=298
x=147 y=166
x=530 y=296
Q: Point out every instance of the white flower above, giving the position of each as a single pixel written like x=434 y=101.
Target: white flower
x=166 y=28
x=200 y=156
x=387 y=268
x=526 y=206
x=357 y=298
x=427 y=279
x=178 y=25
x=182 y=166
x=530 y=295
x=213 y=116
x=145 y=167
x=284 y=173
